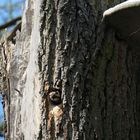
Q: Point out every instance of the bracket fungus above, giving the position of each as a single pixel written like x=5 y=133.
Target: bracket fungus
x=125 y=19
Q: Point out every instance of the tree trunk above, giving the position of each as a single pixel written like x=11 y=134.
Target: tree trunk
x=69 y=77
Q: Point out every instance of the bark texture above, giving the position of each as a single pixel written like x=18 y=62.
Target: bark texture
x=65 y=46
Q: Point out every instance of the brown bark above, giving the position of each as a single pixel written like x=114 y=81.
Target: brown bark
x=66 y=42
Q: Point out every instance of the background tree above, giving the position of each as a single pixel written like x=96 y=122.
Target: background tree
x=68 y=76
x=10 y=12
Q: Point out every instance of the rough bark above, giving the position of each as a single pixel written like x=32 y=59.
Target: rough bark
x=67 y=41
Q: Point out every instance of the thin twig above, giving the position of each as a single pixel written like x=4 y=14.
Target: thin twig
x=11 y=34
x=10 y=23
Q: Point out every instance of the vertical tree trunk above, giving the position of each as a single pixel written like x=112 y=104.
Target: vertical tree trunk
x=65 y=49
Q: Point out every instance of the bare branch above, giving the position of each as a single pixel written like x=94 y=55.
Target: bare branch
x=10 y=23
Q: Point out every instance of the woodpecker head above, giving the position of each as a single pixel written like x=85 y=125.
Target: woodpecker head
x=55 y=97
x=54 y=92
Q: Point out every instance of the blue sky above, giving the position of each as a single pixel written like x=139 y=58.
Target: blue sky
x=4 y=16
x=1 y=109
